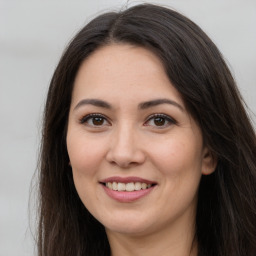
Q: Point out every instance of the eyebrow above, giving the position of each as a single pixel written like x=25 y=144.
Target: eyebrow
x=156 y=102
x=94 y=102
x=143 y=105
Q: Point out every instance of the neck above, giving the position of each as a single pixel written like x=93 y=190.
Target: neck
x=176 y=242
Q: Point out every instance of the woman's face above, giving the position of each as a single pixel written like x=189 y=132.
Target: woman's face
x=137 y=155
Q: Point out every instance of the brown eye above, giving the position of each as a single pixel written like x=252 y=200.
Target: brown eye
x=159 y=121
x=97 y=121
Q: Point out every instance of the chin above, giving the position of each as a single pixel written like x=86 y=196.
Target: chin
x=133 y=230
x=131 y=225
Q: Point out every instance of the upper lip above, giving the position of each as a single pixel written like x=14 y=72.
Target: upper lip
x=126 y=180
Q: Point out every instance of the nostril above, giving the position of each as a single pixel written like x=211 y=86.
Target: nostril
x=124 y=151
x=125 y=160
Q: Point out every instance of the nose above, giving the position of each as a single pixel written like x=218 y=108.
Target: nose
x=125 y=148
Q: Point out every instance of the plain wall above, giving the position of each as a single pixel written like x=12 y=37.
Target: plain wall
x=33 y=35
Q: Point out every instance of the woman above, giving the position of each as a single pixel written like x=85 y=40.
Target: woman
x=146 y=148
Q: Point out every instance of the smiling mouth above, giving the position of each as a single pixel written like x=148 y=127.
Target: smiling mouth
x=128 y=187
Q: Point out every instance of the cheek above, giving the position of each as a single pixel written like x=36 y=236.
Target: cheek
x=179 y=160
x=84 y=154
x=177 y=156
x=180 y=166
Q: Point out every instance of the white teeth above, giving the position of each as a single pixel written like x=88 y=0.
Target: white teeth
x=109 y=185
x=114 y=186
x=137 y=186
x=144 y=185
x=131 y=186
x=120 y=186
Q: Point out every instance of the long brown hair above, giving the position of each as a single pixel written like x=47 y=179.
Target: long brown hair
x=226 y=212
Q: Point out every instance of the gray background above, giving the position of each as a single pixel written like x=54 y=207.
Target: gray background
x=33 y=35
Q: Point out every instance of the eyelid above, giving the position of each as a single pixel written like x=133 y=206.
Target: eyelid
x=166 y=117
x=85 y=118
x=170 y=120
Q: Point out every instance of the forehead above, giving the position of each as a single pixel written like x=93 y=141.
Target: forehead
x=124 y=58
x=123 y=69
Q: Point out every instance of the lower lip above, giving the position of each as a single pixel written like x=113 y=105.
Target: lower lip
x=125 y=196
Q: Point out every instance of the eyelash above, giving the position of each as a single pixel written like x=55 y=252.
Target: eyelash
x=85 y=119
x=165 y=118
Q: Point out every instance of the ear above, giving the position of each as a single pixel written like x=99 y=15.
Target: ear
x=209 y=162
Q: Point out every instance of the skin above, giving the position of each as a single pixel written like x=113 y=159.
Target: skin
x=128 y=141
